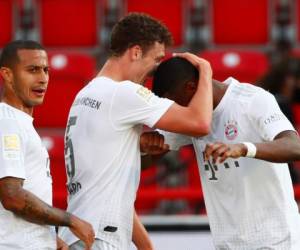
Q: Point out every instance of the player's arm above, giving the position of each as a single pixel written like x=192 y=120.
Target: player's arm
x=29 y=207
x=284 y=148
x=153 y=147
x=140 y=236
x=155 y=144
x=195 y=119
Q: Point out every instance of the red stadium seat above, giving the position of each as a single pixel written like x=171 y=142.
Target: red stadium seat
x=246 y=66
x=69 y=22
x=170 y=12
x=148 y=184
x=55 y=147
x=68 y=74
x=151 y=192
x=240 y=22
x=6 y=21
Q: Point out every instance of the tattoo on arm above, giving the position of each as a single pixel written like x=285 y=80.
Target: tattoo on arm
x=28 y=206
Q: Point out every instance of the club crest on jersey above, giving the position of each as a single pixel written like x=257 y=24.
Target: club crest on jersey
x=231 y=129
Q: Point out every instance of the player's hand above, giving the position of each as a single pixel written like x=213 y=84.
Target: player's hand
x=220 y=151
x=197 y=62
x=153 y=143
x=60 y=244
x=83 y=230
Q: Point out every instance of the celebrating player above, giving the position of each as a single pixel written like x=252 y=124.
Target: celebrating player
x=102 y=147
x=246 y=183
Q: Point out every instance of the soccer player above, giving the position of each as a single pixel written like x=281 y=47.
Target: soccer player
x=246 y=183
x=105 y=122
x=27 y=219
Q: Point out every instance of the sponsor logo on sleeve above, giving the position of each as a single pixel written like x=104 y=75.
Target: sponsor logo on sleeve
x=274 y=118
x=11 y=147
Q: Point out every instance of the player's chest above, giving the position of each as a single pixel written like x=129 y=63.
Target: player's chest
x=228 y=130
x=36 y=156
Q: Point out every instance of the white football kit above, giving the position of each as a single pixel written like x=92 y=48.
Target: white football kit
x=102 y=153
x=23 y=156
x=250 y=203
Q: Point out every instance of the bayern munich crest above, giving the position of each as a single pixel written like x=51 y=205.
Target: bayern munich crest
x=231 y=130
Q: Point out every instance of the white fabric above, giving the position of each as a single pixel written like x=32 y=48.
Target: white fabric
x=106 y=154
x=97 y=245
x=22 y=155
x=250 y=203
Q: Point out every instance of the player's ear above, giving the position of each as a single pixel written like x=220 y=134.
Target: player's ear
x=6 y=74
x=136 y=52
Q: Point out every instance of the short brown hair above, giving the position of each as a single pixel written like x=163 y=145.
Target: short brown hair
x=138 y=29
x=9 y=54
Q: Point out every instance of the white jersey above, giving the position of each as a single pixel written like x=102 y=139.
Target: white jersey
x=103 y=155
x=23 y=156
x=250 y=203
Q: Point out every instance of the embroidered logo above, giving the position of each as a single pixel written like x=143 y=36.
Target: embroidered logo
x=145 y=93
x=231 y=130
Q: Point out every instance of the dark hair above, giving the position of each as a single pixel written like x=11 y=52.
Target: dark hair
x=9 y=55
x=171 y=74
x=138 y=29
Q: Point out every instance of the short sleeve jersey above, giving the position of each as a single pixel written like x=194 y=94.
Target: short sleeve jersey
x=23 y=156
x=103 y=155
x=250 y=203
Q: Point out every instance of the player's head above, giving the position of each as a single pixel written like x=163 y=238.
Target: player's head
x=176 y=79
x=24 y=68
x=143 y=39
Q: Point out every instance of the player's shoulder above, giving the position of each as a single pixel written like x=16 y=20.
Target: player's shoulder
x=247 y=92
x=134 y=88
x=7 y=112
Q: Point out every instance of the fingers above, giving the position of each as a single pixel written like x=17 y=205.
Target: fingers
x=153 y=143
x=218 y=151
x=193 y=59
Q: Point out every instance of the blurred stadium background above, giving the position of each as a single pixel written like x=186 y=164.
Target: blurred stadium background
x=245 y=39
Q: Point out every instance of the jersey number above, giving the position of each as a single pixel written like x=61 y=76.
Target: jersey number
x=69 y=152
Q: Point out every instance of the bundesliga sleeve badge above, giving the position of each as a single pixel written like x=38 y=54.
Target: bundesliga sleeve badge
x=11 y=146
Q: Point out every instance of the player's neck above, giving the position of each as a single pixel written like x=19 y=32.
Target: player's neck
x=114 y=69
x=16 y=103
x=219 y=90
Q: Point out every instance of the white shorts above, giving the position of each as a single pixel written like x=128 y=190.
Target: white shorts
x=98 y=245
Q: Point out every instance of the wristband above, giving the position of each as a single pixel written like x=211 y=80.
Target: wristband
x=251 y=149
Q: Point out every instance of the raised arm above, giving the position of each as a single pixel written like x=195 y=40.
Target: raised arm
x=195 y=119
x=29 y=207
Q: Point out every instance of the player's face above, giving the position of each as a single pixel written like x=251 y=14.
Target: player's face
x=30 y=77
x=149 y=62
x=184 y=94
